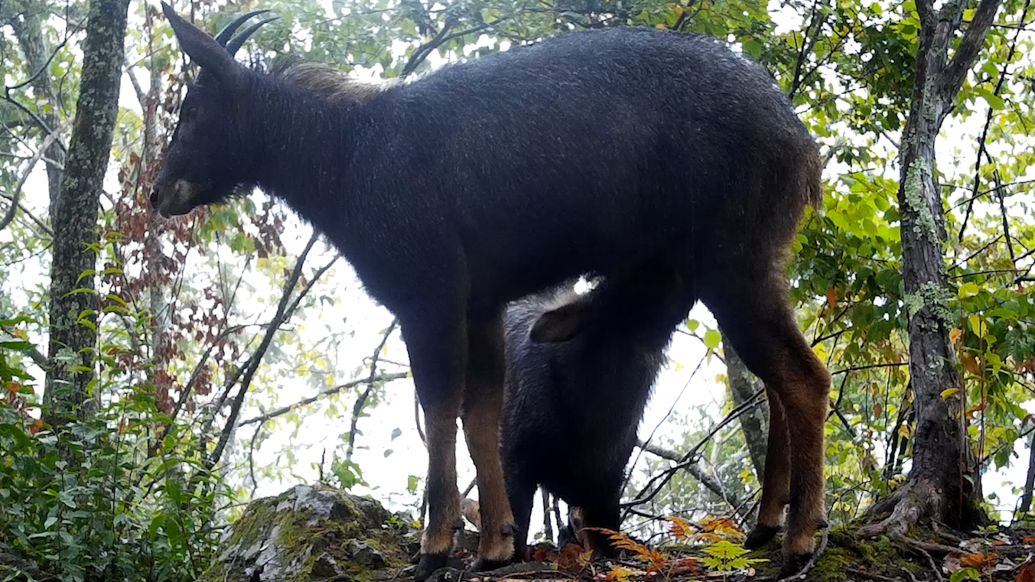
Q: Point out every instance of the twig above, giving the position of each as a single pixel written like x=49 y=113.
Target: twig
x=16 y=194
x=688 y=458
x=252 y=365
x=306 y=401
x=357 y=409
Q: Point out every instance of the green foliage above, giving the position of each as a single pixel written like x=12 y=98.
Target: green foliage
x=119 y=496
x=725 y=556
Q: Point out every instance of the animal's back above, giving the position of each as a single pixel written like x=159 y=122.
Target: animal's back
x=644 y=135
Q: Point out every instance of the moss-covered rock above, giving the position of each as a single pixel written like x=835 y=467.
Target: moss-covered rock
x=311 y=534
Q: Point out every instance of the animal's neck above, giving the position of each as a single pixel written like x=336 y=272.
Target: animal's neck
x=303 y=146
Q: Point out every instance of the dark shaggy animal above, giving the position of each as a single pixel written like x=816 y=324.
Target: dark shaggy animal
x=486 y=181
x=572 y=408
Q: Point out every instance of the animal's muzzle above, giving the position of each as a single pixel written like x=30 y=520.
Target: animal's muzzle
x=174 y=199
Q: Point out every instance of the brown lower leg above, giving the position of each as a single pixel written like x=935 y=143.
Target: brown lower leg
x=443 y=497
x=761 y=324
x=805 y=406
x=776 y=481
x=482 y=413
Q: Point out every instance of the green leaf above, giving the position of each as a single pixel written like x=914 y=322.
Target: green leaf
x=994 y=101
x=712 y=339
x=965 y=574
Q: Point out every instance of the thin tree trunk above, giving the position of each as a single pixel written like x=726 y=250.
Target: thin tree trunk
x=1029 y=483
x=547 y=522
x=37 y=51
x=76 y=235
x=743 y=386
x=939 y=482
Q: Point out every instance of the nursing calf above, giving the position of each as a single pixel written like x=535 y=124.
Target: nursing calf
x=572 y=407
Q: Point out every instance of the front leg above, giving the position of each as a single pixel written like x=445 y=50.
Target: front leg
x=436 y=340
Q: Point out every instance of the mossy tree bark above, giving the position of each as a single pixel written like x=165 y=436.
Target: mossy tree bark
x=939 y=486
x=755 y=424
x=38 y=53
x=76 y=234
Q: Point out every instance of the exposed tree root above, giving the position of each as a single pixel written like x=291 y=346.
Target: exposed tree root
x=910 y=504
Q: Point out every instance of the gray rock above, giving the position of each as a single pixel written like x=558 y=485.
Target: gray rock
x=311 y=533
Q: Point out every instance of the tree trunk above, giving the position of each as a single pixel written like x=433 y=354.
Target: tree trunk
x=37 y=52
x=755 y=423
x=942 y=484
x=1029 y=482
x=73 y=302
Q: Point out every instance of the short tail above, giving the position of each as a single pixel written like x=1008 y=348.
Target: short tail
x=810 y=177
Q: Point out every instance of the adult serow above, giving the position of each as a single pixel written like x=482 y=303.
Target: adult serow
x=572 y=408
x=489 y=180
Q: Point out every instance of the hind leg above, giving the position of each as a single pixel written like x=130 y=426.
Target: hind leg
x=761 y=325
x=776 y=480
x=482 y=414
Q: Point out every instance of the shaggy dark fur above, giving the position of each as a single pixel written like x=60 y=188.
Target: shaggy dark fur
x=572 y=408
x=486 y=181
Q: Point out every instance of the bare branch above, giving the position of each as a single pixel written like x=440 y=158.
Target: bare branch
x=16 y=194
x=694 y=469
x=650 y=491
x=252 y=365
x=357 y=409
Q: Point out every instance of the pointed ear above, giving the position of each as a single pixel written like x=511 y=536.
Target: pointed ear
x=202 y=48
x=561 y=324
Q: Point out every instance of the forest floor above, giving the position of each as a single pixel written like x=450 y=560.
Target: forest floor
x=997 y=554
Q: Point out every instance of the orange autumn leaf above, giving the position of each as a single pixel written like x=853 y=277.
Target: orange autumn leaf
x=832 y=297
x=686 y=566
x=1027 y=573
x=574 y=558
x=544 y=555
x=1029 y=541
x=978 y=561
x=720 y=525
x=681 y=529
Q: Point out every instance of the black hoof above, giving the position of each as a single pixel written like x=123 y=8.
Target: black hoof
x=793 y=565
x=760 y=536
x=428 y=564
x=483 y=565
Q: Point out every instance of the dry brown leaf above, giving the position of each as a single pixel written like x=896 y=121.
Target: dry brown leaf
x=1027 y=573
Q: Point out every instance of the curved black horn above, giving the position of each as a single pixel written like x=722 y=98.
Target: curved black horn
x=238 y=41
x=228 y=31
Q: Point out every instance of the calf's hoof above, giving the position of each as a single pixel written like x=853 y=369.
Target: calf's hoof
x=760 y=536
x=428 y=564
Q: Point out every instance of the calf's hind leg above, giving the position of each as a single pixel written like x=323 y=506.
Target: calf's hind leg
x=760 y=323
x=482 y=413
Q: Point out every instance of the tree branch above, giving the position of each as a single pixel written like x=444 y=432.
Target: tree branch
x=328 y=392
x=12 y=210
x=252 y=364
x=952 y=77
x=357 y=409
x=694 y=469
